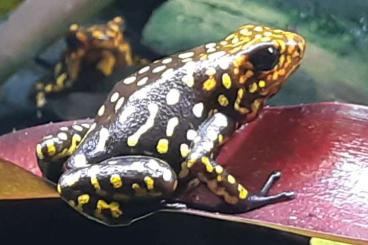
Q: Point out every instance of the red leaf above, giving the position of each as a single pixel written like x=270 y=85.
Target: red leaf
x=321 y=150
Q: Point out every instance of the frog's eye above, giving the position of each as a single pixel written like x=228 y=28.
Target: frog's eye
x=265 y=59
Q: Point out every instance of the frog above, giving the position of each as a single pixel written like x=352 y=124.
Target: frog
x=92 y=54
x=161 y=128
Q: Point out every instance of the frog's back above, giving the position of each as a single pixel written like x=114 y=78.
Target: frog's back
x=155 y=111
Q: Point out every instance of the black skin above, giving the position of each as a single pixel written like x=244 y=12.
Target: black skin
x=143 y=150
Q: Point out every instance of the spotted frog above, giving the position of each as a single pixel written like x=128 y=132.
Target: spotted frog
x=92 y=54
x=161 y=128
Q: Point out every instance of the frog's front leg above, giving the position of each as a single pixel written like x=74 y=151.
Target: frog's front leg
x=54 y=149
x=201 y=164
x=119 y=190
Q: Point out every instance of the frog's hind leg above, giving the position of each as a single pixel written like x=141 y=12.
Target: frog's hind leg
x=119 y=190
x=54 y=149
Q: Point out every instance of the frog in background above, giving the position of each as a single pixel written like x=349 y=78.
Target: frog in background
x=93 y=53
x=162 y=127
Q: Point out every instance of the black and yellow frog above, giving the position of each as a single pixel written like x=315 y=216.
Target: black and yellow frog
x=162 y=127
x=92 y=53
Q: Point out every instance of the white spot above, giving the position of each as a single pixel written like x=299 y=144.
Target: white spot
x=184 y=150
x=210 y=45
x=173 y=97
x=198 y=109
x=211 y=50
x=80 y=160
x=188 y=80
x=191 y=134
x=129 y=80
x=86 y=125
x=216 y=55
x=167 y=175
x=258 y=28
x=221 y=119
x=114 y=97
x=224 y=64
x=159 y=69
x=144 y=69
x=212 y=135
x=171 y=124
x=186 y=60
x=134 y=138
x=78 y=128
x=211 y=71
x=166 y=61
x=112 y=162
x=103 y=137
x=186 y=55
x=64 y=129
x=126 y=113
x=119 y=104
x=101 y=111
x=142 y=82
x=190 y=67
x=168 y=73
x=62 y=136
x=152 y=164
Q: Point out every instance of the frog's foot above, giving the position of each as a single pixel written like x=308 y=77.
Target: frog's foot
x=254 y=201
x=262 y=198
x=120 y=190
x=54 y=149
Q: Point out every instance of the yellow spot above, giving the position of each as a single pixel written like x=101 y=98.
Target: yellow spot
x=132 y=141
x=253 y=88
x=226 y=80
x=135 y=186
x=107 y=63
x=275 y=76
x=219 y=178
x=58 y=188
x=219 y=169
x=48 y=88
x=222 y=100
x=116 y=181
x=243 y=193
x=74 y=27
x=209 y=84
x=162 y=146
x=138 y=190
x=95 y=183
x=220 y=138
x=51 y=149
x=114 y=207
x=231 y=179
x=207 y=163
x=39 y=152
x=61 y=79
x=184 y=150
x=321 y=241
x=191 y=162
x=83 y=199
x=262 y=84
x=149 y=182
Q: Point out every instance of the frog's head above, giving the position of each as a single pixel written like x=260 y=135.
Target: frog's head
x=97 y=36
x=90 y=44
x=263 y=59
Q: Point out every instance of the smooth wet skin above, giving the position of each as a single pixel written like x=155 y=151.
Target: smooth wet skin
x=161 y=128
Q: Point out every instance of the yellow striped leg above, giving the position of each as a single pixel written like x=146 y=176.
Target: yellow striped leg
x=54 y=149
x=200 y=164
